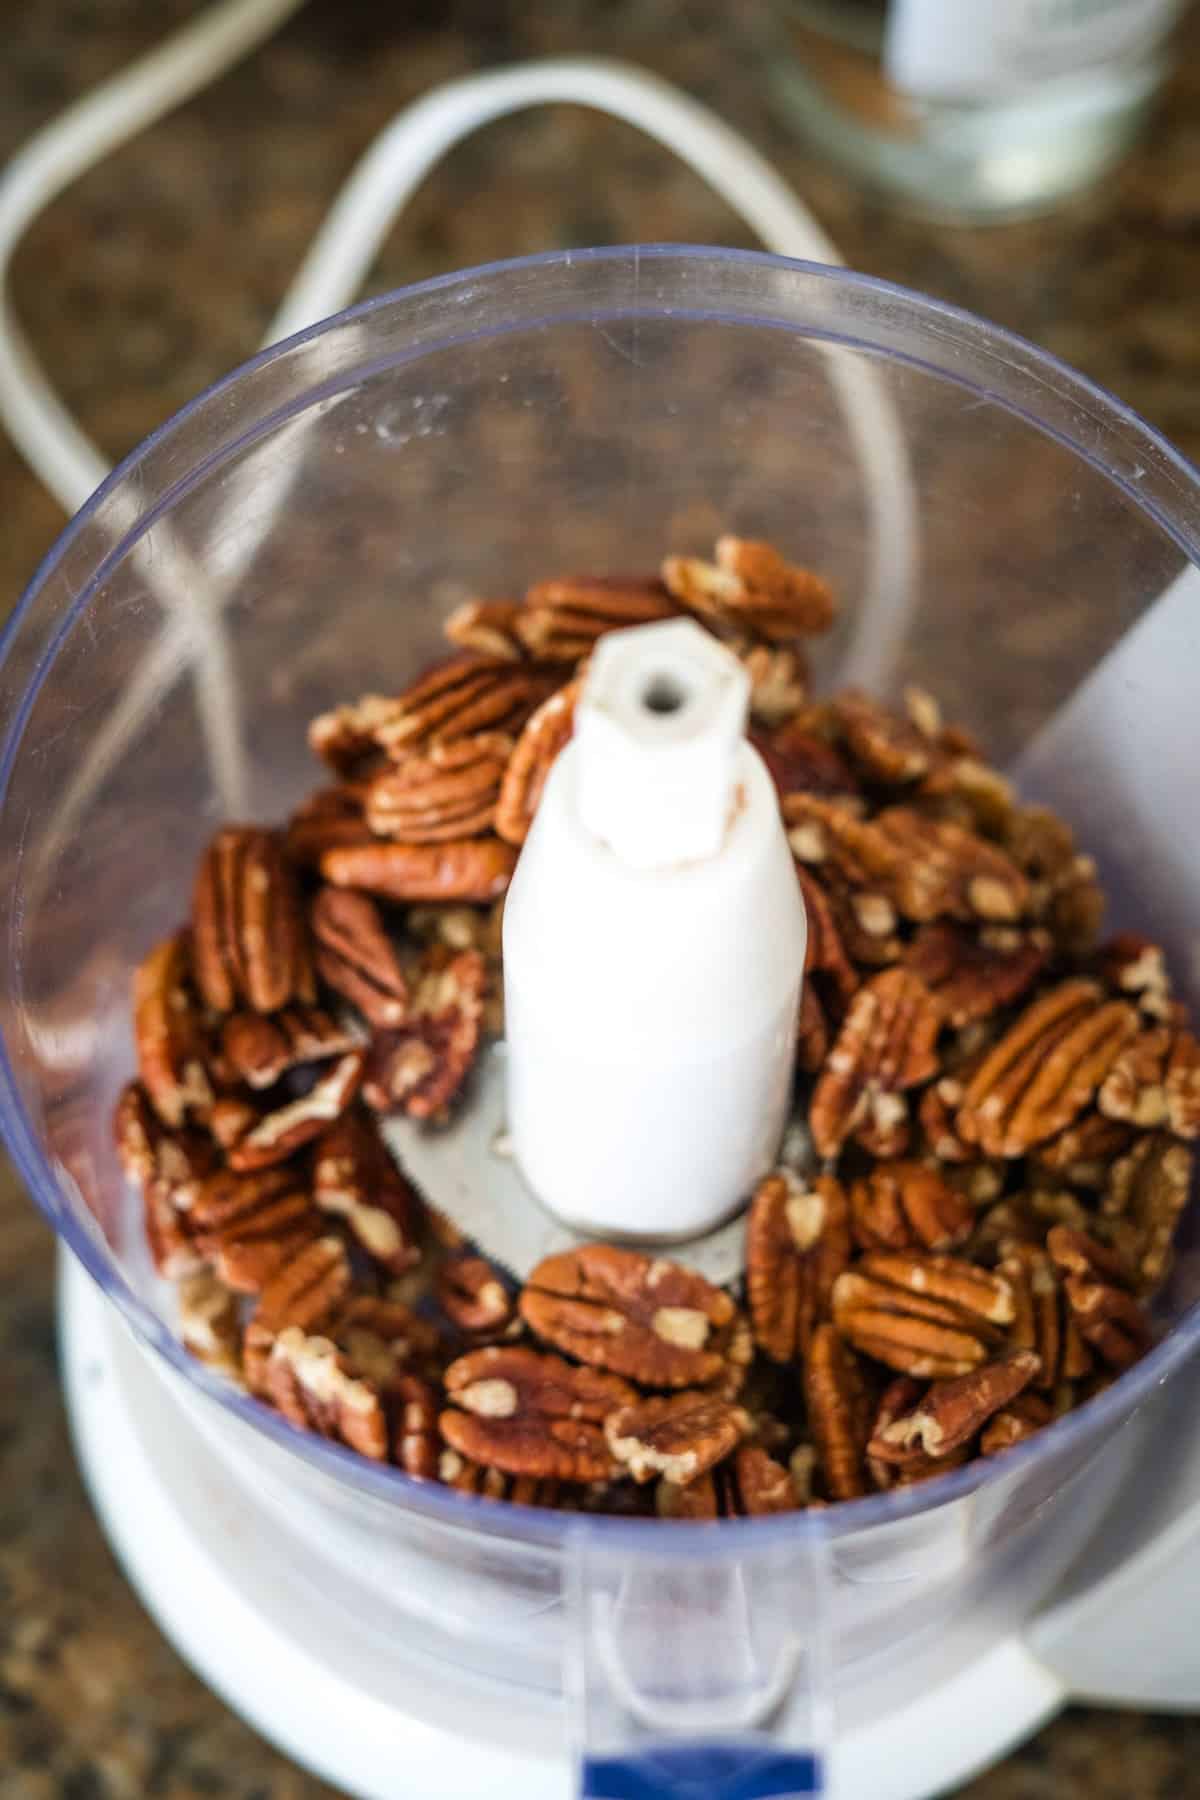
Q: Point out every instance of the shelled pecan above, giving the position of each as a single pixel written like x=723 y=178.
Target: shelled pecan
x=526 y=1413
x=642 y=1317
x=1134 y=968
x=885 y=1046
x=421 y=1067
x=265 y=1137
x=1155 y=1081
x=446 y=791
x=250 y=1225
x=260 y=1049
x=887 y=747
x=1096 y=1282
x=545 y=733
x=908 y=1206
x=922 y=1315
x=751 y=588
x=458 y=698
x=209 y=1323
x=310 y=1382
x=1145 y=1195
x=171 y=1033
x=355 y=1179
x=678 y=1436
x=474 y=1299
x=356 y=957
x=778 y=681
x=972 y=973
x=1014 y=1423
x=800 y=761
x=1045 y=1069
x=249 y=938
x=562 y=620
x=468 y=1477
x=487 y=627
x=797 y=1244
x=952 y=1412
x=1037 y=1305
x=477 y=868
x=838 y=1412
x=330 y=819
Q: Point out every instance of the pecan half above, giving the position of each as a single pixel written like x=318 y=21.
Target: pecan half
x=307 y=1291
x=800 y=761
x=898 y=1399
x=208 y=1322
x=413 y=1406
x=525 y=1413
x=383 y=1340
x=1095 y=1281
x=249 y=938
x=813 y=1035
x=310 y=1382
x=454 y=700
x=1146 y=1193
x=1083 y=1154
x=477 y=868
x=1045 y=1069
x=330 y=819
x=487 y=627
x=797 y=1244
x=639 y=1316
x=356 y=957
x=249 y=1226
x=545 y=734
x=273 y=1136
x=748 y=1484
x=825 y=953
x=447 y=791
x=928 y=1316
x=972 y=973
x=1156 y=1081
x=1037 y=1323
x=1135 y=968
x=752 y=588
x=260 y=1049
x=169 y=1168
x=908 y=1206
x=886 y=1045
x=929 y=868
x=473 y=1297
x=838 y=1415
x=420 y=1068
x=355 y=1179
x=170 y=1032
x=778 y=681
x=677 y=1436
x=887 y=746
x=1021 y=1419
x=562 y=620
x=955 y=1411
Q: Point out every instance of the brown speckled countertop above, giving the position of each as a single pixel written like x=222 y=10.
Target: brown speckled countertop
x=158 y=272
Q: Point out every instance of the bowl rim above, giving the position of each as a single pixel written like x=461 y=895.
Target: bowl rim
x=1085 y=1425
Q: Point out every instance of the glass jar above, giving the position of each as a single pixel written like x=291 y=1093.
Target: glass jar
x=976 y=109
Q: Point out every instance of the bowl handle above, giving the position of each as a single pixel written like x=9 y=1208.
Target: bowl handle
x=696 y=1670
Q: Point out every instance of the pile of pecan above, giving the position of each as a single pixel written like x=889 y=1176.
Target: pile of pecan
x=1000 y=1108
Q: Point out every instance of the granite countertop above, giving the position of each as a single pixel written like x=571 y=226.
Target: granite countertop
x=158 y=272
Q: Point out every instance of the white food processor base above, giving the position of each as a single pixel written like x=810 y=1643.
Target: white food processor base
x=206 y=1567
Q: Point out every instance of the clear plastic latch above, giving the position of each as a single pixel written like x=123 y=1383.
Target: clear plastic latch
x=697 y=1671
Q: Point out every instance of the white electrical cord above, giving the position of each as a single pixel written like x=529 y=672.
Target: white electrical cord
x=329 y=277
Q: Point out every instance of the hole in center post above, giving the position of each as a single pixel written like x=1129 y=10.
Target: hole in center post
x=664 y=694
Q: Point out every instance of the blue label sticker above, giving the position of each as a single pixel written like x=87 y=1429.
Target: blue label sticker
x=703 y=1772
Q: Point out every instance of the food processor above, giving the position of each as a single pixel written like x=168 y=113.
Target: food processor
x=298 y=534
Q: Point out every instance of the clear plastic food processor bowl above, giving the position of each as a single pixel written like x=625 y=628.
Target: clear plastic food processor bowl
x=998 y=531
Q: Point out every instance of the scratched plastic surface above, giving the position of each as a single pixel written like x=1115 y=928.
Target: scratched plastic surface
x=296 y=537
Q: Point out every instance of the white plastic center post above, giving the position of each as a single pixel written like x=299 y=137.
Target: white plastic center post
x=654 y=941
